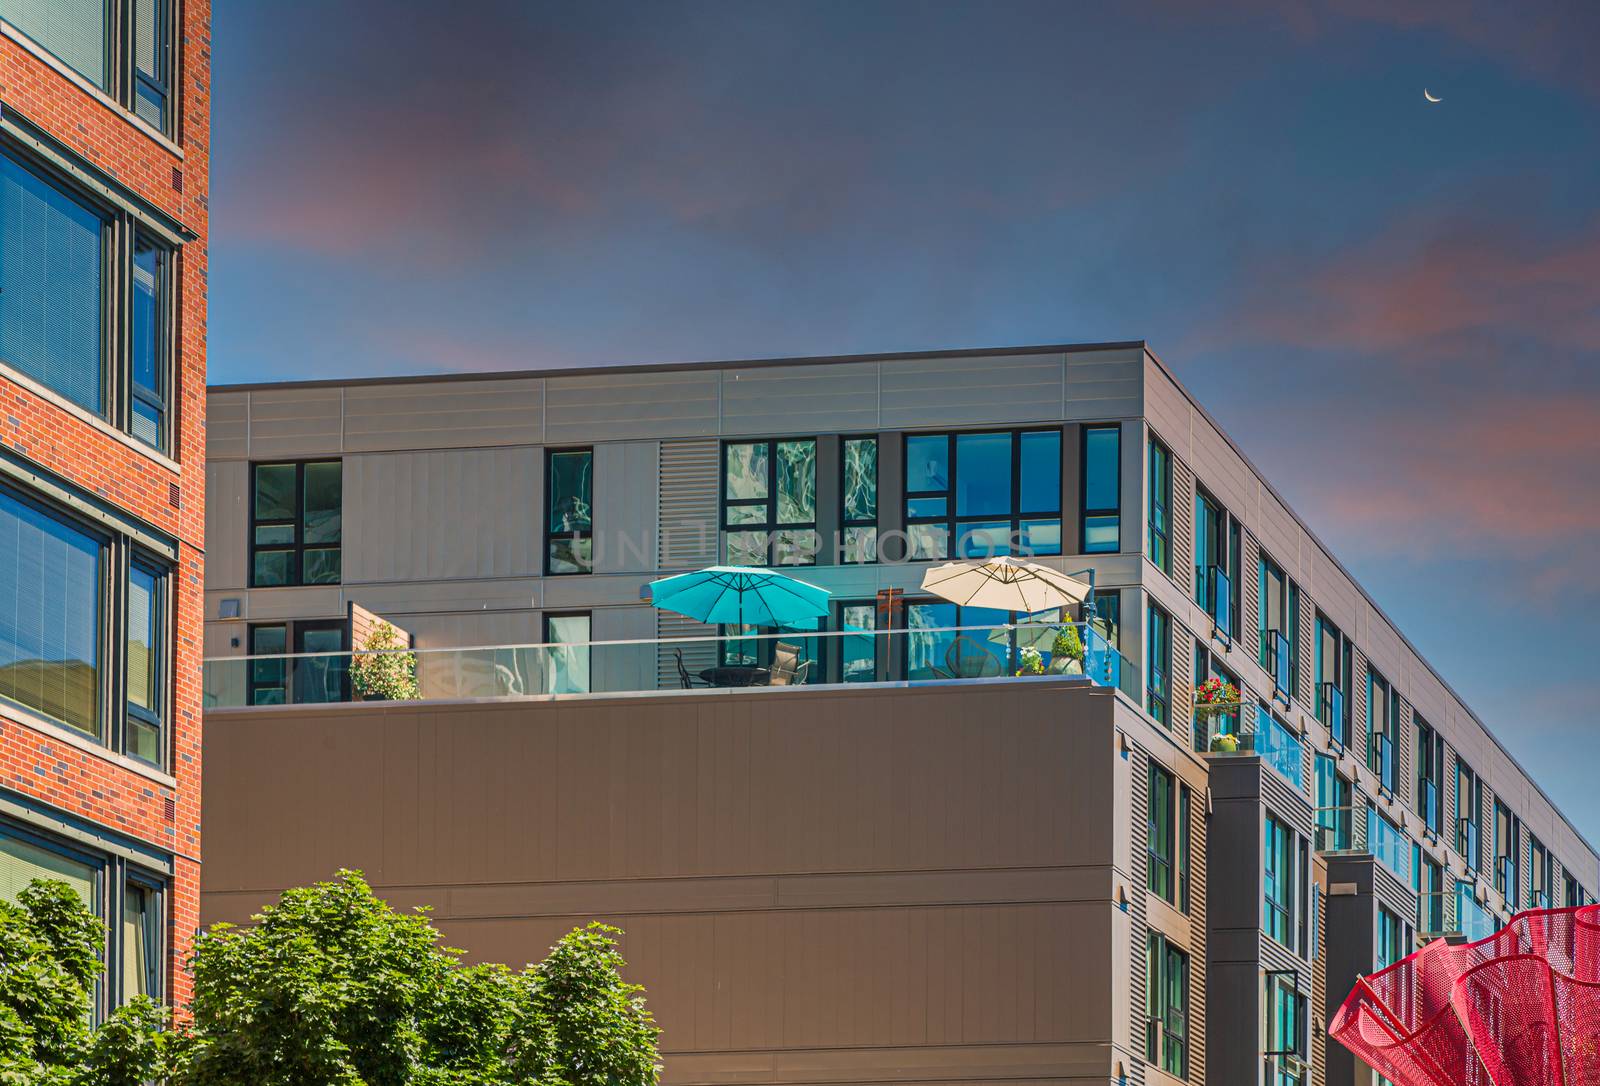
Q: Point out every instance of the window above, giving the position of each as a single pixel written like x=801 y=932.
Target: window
x=1101 y=511
x=1158 y=541
x=268 y=682
x=1540 y=876
x=1167 y=1006
x=567 y=640
x=569 y=508
x=931 y=637
x=1334 y=810
x=64 y=258
x=1209 y=723
x=1505 y=854
x=1280 y=916
x=1287 y=1039
x=1216 y=563
x=1429 y=885
x=1386 y=841
x=1158 y=648
x=1162 y=802
x=295 y=512
x=1430 y=776
x=1383 y=730
x=1394 y=938
x=135 y=69
x=1573 y=896
x=1185 y=845
x=1469 y=816
x=1280 y=629
x=769 y=502
x=315 y=670
x=858 y=499
x=110 y=886
x=1108 y=615
x=68 y=642
x=978 y=495
x=146 y=659
x=1333 y=680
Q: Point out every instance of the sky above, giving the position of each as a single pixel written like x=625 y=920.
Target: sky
x=1392 y=306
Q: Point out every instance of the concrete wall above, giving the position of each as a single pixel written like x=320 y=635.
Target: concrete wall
x=914 y=885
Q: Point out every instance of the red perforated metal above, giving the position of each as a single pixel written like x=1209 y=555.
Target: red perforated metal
x=1520 y=1008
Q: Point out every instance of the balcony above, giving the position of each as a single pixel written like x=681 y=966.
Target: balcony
x=770 y=662
x=1271 y=741
x=1335 y=828
x=1279 y=663
x=1473 y=920
x=1390 y=846
x=1330 y=708
x=1218 y=591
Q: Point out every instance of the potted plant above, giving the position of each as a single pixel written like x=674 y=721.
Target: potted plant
x=1032 y=661
x=1066 y=651
x=384 y=669
x=1213 y=698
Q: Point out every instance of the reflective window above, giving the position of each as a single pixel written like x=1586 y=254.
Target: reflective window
x=769 y=502
x=1158 y=651
x=52 y=286
x=858 y=496
x=1279 y=913
x=1216 y=563
x=1100 y=513
x=1469 y=816
x=24 y=857
x=569 y=484
x=1161 y=806
x=1394 y=938
x=148 y=355
x=296 y=523
x=568 y=638
x=152 y=62
x=84 y=35
x=50 y=613
x=146 y=660
x=1506 y=873
x=1383 y=729
x=1158 y=540
x=1333 y=680
x=981 y=494
x=1334 y=807
x=1429 y=760
x=321 y=668
x=269 y=679
x=76 y=32
x=1166 y=1006
x=1279 y=614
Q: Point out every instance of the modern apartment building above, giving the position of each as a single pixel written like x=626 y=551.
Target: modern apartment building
x=891 y=870
x=104 y=149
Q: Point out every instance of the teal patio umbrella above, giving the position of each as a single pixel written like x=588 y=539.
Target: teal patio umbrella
x=741 y=596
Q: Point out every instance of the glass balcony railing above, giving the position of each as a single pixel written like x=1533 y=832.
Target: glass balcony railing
x=1473 y=920
x=780 y=660
x=1430 y=913
x=1335 y=829
x=1279 y=747
x=1219 y=598
x=1391 y=846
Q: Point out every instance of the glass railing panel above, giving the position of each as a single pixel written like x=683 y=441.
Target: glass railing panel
x=1221 y=601
x=792 y=659
x=1390 y=846
x=1473 y=920
x=1279 y=748
x=1335 y=826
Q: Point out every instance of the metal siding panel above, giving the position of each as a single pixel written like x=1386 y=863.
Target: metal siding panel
x=997 y=389
x=295 y=423
x=626 y=488
x=1103 y=385
x=776 y=400
x=671 y=403
x=443 y=414
x=1167 y=409
x=227 y=524
x=227 y=426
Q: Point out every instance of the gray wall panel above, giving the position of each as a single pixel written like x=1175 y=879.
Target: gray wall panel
x=1103 y=385
x=227 y=426
x=444 y=414
x=672 y=403
x=626 y=490
x=227 y=523
x=800 y=399
x=296 y=422
x=971 y=391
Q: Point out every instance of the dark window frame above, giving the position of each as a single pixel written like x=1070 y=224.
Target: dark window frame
x=1507 y=858
x=1162 y=1042
x=576 y=536
x=1161 y=845
x=1158 y=692
x=1386 y=769
x=1084 y=511
x=549 y=639
x=1340 y=823
x=1341 y=730
x=297 y=548
x=1429 y=762
x=1469 y=826
x=1158 y=511
x=164 y=606
x=951 y=520
x=1230 y=541
x=1289 y=605
x=769 y=525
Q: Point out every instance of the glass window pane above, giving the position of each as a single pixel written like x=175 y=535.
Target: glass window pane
x=140 y=943
x=147 y=423
x=860 y=544
x=49 y=615
x=320 y=678
x=861 y=479
x=321 y=566
x=268 y=535
x=795 y=547
x=984 y=540
x=927 y=463
x=928 y=641
x=22 y=861
x=569 y=637
x=924 y=541
x=571 y=491
x=1041 y=472
x=324 y=502
x=144 y=639
x=858 y=652
x=74 y=30
x=745 y=474
x=1101 y=470
x=1101 y=535
x=272 y=568
x=747 y=514
x=571 y=555
x=928 y=507
x=275 y=491
x=1040 y=537
x=51 y=282
x=983 y=474
x=146 y=316
x=797 y=482
x=745 y=548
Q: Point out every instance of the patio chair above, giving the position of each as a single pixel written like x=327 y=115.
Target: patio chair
x=688 y=681
x=967 y=658
x=787 y=667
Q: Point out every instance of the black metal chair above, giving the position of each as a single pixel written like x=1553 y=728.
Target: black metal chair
x=967 y=658
x=687 y=680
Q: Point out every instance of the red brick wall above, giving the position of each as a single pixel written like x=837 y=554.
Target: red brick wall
x=37 y=763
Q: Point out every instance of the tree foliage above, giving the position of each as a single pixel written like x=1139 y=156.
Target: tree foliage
x=329 y=987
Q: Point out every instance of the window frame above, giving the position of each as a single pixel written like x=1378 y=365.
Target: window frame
x=550 y=535
x=158 y=891
x=298 y=548
x=1161 y=845
x=848 y=523
x=952 y=520
x=1387 y=771
x=1342 y=731
x=1507 y=863
x=1286 y=909
x=1342 y=825
x=1469 y=827
x=1429 y=762
x=1161 y=1041
x=1289 y=605
x=162 y=604
x=770 y=525
x=1085 y=512
x=550 y=641
x=121 y=232
x=1230 y=541
x=1158 y=506
x=1288 y=1060
x=1158 y=679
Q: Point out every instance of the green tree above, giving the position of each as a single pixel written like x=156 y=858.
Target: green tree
x=50 y=960
x=332 y=987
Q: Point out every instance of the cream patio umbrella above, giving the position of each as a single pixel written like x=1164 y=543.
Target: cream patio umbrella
x=1004 y=583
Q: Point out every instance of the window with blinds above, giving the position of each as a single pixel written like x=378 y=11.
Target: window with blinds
x=77 y=32
x=52 y=285
x=50 y=608
x=146 y=648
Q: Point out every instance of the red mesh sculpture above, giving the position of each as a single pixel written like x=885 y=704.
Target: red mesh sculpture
x=1520 y=1008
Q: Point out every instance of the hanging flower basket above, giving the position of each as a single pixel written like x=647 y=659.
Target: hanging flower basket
x=1215 y=697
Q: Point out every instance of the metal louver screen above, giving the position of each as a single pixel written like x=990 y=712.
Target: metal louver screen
x=22 y=861
x=73 y=30
x=51 y=275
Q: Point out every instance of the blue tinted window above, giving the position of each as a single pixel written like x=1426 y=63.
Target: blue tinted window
x=149 y=393
x=1101 y=489
x=1041 y=472
x=927 y=463
x=983 y=474
x=51 y=286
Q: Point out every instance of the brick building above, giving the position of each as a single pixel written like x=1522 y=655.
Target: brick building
x=104 y=156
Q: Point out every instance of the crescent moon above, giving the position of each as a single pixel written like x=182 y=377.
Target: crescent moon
x=1430 y=97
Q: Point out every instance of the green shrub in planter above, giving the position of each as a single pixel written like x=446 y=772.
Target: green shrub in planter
x=1225 y=744
x=1067 y=645
x=378 y=672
